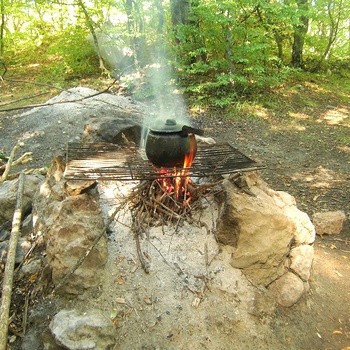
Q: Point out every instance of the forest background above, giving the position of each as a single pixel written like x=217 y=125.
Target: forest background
x=226 y=54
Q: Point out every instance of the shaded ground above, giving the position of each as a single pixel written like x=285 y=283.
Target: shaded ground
x=307 y=154
x=303 y=138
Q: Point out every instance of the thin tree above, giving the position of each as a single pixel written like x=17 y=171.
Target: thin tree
x=334 y=12
x=300 y=31
x=2 y=27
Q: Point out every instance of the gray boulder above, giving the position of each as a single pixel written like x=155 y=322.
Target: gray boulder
x=23 y=246
x=8 y=196
x=76 y=330
x=120 y=129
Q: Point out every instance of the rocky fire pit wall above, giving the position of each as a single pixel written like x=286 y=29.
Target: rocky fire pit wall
x=271 y=237
x=121 y=128
x=69 y=224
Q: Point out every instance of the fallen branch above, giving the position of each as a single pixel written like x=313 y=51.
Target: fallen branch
x=25 y=158
x=40 y=171
x=10 y=265
x=25 y=98
x=59 y=102
x=139 y=253
x=9 y=163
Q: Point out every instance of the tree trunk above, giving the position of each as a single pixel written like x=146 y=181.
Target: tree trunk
x=334 y=29
x=278 y=38
x=160 y=15
x=179 y=15
x=179 y=11
x=300 y=31
x=90 y=24
x=2 y=27
x=279 y=45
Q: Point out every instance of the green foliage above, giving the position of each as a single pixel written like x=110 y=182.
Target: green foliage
x=72 y=55
x=223 y=50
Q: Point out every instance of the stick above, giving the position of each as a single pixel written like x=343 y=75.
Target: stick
x=25 y=315
x=9 y=163
x=10 y=264
x=59 y=102
x=139 y=253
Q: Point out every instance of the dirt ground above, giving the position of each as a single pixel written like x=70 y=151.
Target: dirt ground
x=317 y=175
x=307 y=156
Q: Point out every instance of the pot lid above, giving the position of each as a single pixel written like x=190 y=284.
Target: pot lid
x=170 y=125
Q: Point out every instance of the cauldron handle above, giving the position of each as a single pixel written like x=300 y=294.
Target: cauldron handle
x=189 y=130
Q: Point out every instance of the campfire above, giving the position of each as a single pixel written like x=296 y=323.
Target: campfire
x=169 y=196
x=175 y=185
x=172 y=184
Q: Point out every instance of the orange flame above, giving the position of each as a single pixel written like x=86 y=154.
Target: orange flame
x=189 y=157
x=178 y=180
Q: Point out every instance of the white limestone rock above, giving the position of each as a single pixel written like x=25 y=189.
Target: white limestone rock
x=330 y=223
x=76 y=330
x=262 y=227
x=287 y=289
x=301 y=261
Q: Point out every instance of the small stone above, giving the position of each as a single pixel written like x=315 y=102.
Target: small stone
x=22 y=248
x=196 y=301
x=75 y=330
x=287 y=290
x=31 y=268
x=27 y=226
x=5 y=231
x=8 y=196
x=330 y=223
x=120 y=300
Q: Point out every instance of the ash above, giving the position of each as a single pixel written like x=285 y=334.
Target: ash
x=191 y=297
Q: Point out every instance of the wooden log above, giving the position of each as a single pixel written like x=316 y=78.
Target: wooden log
x=10 y=265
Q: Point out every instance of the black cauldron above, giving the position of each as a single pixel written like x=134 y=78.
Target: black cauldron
x=169 y=143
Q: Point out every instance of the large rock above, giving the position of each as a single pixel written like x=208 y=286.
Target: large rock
x=70 y=224
x=8 y=196
x=122 y=128
x=76 y=330
x=76 y=223
x=330 y=222
x=262 y=225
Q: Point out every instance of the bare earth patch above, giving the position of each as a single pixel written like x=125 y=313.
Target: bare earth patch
x=306 y=151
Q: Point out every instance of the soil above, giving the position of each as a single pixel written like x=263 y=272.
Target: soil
x=306 y=154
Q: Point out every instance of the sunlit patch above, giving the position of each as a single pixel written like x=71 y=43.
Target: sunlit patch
x=321 y=184
x=261 y=112
x=319 y=178
x=28 y=135
x=336 y=116
x=288 y=127
x=318 y=174
x=299 y=116
x=344 y=148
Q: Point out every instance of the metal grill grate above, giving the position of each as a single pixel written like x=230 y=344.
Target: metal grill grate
x=105 y=161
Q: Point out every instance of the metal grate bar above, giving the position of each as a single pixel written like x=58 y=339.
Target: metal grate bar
x=105 y=161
